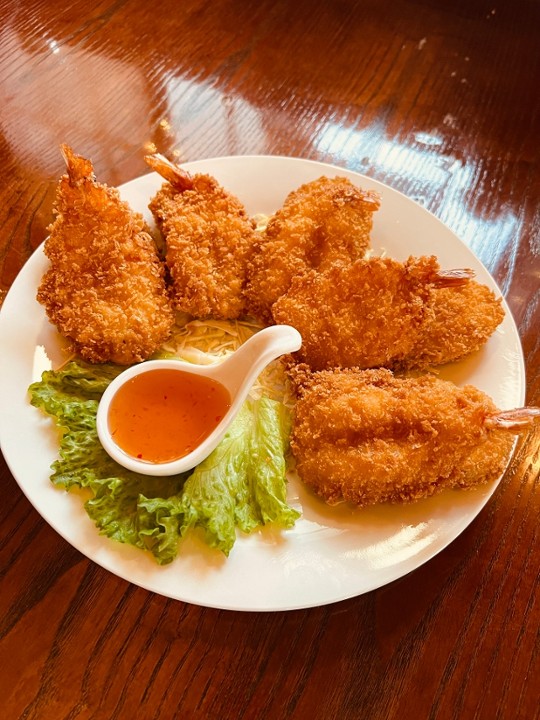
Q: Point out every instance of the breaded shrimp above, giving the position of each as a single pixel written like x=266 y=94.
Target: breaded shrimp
x=366 y=314
x=368 y=437
x=462 y=321
x=105 y=289
x=209 y=238
x=322 y=221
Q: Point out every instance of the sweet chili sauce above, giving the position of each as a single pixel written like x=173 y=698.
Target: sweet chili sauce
x=163 y=415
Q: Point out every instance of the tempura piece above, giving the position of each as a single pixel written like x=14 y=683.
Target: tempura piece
x=209 y=238
x=366 y=314
x=105 y=289
x=463 y=319
x=368 y=437
x=322 y=221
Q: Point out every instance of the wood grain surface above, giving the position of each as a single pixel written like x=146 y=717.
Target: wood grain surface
x=439 y=100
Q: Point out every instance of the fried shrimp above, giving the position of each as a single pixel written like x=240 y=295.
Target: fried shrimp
x=209 y=238
x=366 y=314
x=320 y=222
x=368 y=437
x=105 y=289
x=462 y=321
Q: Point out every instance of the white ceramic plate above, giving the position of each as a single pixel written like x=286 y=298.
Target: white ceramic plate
x=332 y=553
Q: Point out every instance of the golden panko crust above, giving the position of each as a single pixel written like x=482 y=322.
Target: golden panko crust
x=105 y=289
x=321 y=222
x=463 y=319
x=368 y=437
x=209 y=238
x=365 y=314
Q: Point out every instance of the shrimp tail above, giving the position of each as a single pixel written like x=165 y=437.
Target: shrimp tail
x=179 y=179
x=79 y=168
x=513 y=420
x=453 y=278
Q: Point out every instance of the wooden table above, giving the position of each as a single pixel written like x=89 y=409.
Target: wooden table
x=439 y=100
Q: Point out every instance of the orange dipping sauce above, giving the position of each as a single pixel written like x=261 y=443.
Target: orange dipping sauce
x=162 y=415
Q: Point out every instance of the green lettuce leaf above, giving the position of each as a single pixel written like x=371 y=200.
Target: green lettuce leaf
x=268 y=465
x=119 y=497
x=217 y=495
x=242 y=484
